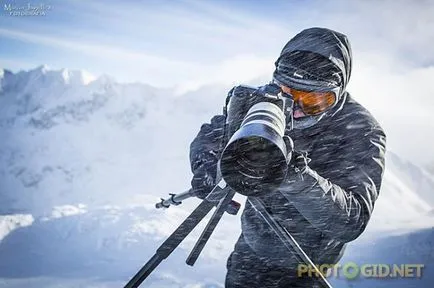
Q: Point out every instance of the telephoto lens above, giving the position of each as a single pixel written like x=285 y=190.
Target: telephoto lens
x=255 y=159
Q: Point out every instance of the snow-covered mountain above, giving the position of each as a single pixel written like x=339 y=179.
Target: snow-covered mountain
x=100 y=141
x=430 y=168
x=406 y=199
x=83 y=161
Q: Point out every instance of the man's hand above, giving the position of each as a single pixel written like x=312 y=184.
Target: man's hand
x=297 y=168
x=204 y=178
x=299 y=162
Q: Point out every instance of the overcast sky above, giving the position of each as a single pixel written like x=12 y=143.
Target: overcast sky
x=188 y=44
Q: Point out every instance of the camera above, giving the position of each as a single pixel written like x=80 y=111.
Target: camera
x=256 y=157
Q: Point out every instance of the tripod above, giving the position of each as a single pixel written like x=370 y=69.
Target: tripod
x=221 y=195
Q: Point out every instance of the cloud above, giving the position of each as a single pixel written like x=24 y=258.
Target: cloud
x=155 y=69
x=92 y=49
x=240 y=69
x=399 y=28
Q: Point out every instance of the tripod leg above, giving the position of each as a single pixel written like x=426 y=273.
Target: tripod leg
x=206 y=234
x=288 y=241
x=173 y=241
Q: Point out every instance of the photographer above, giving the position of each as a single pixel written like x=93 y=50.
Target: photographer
x=334 y=175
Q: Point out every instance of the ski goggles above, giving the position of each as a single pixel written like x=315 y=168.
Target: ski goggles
x=314 y=88
x=313 y=102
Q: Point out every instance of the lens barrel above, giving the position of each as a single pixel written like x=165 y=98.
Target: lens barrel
x=255 y=158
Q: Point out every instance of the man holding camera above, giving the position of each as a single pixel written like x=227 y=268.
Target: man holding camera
x=333 y=177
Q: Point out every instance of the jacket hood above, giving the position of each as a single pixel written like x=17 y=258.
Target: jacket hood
x=331 y=45
x=326 y=42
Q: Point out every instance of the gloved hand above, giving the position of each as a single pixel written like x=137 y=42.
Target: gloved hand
x=204 y=178
x=299 y=162
x=297 y=168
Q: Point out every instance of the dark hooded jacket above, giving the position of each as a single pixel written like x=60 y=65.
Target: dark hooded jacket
x=331 y=204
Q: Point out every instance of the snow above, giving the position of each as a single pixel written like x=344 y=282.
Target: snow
x=9 y=223
x=65 y=210
x=77 y=77
x=83 y=162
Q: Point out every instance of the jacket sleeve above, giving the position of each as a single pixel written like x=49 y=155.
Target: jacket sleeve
x=342 y=208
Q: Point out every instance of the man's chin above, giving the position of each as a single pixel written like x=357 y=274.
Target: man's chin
x=305 y=122
x=298 y=113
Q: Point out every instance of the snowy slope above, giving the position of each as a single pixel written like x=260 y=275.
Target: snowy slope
x=97 y=143
x=416 y=247
x=405 y=198
x=108 y=242
x=83 y=161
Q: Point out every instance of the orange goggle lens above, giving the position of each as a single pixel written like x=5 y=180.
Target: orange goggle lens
x=312 y=102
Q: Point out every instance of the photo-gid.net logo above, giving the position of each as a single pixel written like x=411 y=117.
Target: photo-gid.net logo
x=352 y=270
